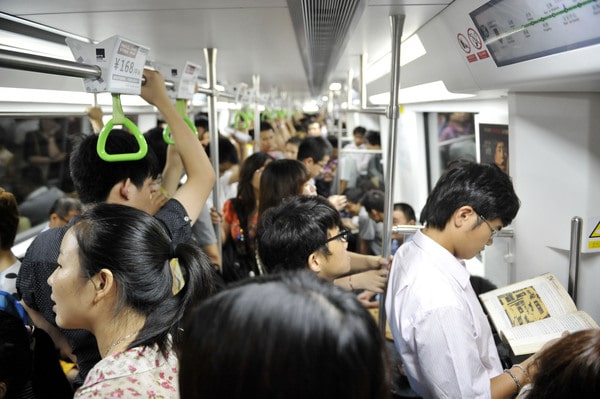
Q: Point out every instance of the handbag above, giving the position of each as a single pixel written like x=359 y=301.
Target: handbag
x=238 y=259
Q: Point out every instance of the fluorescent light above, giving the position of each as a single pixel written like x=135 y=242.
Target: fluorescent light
x=126 y=100
x=335 y=86
x=10 y=94
x=217 y=87
x=324 y=99
x=434 y=91
x=411 y=49
x=310 y=107
x=32 y=45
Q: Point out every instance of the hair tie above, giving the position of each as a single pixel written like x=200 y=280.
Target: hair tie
x=172 y=250
x=177 y=275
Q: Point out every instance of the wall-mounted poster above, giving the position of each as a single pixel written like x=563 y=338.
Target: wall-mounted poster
x=493 y=142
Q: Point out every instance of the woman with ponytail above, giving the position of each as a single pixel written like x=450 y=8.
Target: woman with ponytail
x=120 y=277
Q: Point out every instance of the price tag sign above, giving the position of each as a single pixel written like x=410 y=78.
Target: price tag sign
x=188 y=79
x=120 y=60
x=184 y=79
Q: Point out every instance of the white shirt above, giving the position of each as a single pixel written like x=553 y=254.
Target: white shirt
x=362 y=160
x=371 y=231
x=439 y=328
x=8 y=278
x=226 y=190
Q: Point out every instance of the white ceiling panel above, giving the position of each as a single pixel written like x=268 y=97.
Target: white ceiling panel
x=252 y=37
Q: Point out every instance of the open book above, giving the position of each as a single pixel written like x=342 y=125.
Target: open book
x=529 y=313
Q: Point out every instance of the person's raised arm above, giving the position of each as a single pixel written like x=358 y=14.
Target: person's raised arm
x=172 y=173
x=360 y=262
x=200 y=174
x=372 y=280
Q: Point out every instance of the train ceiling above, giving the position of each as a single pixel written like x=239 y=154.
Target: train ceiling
x=294 y=46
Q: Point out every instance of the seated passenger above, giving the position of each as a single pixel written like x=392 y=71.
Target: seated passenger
x=63 y=210
x=9 y=223
x=120 y=277
x=287 y=336
x=36 y=198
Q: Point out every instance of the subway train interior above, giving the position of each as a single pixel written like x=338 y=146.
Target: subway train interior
x=527 y=72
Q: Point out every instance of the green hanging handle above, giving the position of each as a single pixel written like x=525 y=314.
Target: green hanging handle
x=247 y=119
x=281 y=114
x=120 y=119
x=180 y=105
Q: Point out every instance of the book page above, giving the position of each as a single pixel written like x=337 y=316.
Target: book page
x=527 y=301
x=530 y=338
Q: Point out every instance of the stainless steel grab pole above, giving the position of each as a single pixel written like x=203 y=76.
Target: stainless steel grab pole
x=574 y=255
x=210 y=55
x=38 y=63
x=397 y=23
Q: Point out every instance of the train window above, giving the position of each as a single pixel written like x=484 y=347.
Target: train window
x=451 y=137
x=34 y=161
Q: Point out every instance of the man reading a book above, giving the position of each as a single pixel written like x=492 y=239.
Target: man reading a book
x=439 y=327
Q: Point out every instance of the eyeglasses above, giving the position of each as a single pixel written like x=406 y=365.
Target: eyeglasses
x=342 y=236
x=492 y=229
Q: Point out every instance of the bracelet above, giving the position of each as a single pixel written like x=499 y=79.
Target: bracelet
x=515 y=379
x=523 y=369
x=350 y=282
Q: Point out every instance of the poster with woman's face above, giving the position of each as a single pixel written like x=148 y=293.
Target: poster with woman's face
x=493 y=142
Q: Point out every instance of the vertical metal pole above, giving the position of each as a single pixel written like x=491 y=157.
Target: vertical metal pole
x=210 y=55
x=339 y=147
x=574 y=253
x=397 y=23
x=349 y=92
x=363 y=81
x=256 y=85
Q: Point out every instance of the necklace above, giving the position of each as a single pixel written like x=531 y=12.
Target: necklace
x=117 y=342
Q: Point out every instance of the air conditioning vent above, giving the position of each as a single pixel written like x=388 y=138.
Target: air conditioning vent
x=323 y=28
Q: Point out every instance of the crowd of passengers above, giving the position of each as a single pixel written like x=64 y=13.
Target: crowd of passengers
x=126 y=295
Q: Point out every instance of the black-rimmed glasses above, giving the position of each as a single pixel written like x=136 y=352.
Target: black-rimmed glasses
x=342 y=236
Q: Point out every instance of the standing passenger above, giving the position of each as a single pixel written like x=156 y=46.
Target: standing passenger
x=238 y=221
x=314 y=153
x=306 y=232
x=291 y=147
x=439 y=327
x=120 y=277
x=308 y=340
x=282 y=179
x=129 y=183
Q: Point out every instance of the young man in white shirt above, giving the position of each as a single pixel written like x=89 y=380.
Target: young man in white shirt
x=439 y=327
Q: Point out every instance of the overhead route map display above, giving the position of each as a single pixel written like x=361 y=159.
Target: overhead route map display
x=517 y=30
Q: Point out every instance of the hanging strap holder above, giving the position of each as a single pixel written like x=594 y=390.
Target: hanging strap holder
x=181 y=106
x=118 y=118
